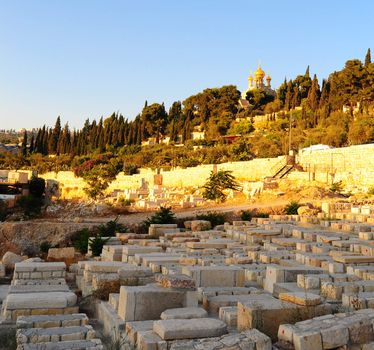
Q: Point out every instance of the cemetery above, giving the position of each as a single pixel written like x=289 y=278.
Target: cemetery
x=282 y=282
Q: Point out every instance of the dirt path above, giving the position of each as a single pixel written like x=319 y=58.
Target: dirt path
x=221 y=208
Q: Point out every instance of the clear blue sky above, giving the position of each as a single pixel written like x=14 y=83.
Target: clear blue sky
x=87 y=58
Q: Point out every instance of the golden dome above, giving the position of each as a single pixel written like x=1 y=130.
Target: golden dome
x=250 y=78
x=268 y=77
x=259 y=73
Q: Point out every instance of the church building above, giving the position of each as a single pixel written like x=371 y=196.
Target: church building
x=256 y=81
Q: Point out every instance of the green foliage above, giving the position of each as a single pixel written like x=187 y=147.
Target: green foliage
x=154 y=119
x=163 y=216
x=258 y=98
x=37 y=187
x=100 y=149
x=214 y=218
x=336 y=187
x=260 y=215
x=246 y=215
x=241 y=127
x=79 y=240
x=44 y=247
x=8 y=338
x=130 y=169
x=30 y=205
x=96 y=244
x=291 y=208
x=3 y=210
x=241 y=150
x=361 y=130
x=125 y=202
x=110 y=228
x=218 y=183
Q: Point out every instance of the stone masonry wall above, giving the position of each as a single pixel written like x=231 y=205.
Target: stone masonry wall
x=254 y=170
x=353 y=165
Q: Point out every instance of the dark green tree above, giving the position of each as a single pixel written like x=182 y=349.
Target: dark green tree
x=218 y=183
x=368 y=58
x=24 y=144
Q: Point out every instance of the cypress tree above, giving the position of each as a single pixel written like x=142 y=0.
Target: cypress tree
x=368 y=58
x=289 y=93
x=314 y=94
x=37 y=145
x=307 y=75
x=54 y=137
x=24 y=144
x=32 y=141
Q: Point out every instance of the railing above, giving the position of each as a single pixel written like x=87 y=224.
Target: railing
x=278 y=166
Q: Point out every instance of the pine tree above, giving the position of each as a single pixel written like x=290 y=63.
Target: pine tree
x=368 y=58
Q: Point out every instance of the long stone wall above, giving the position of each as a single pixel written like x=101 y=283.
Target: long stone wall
x=354 y=166
x=254 y=170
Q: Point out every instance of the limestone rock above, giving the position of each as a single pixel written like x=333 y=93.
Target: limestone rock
x=61 y=253
x=200 y=225
x=9 y=260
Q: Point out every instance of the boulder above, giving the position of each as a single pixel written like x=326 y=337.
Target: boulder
x=200 y=225
x=9 y=260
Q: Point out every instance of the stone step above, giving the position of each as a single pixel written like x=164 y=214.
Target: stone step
x=49 y=321
x=54 y=334
x=189 y=329
x=92 y=344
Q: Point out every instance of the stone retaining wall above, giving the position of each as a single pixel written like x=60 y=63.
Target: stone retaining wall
x=254 y=170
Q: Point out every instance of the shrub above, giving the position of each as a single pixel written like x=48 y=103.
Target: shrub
x=37 y=187
x=246 y=215
x=125 y=202
x=291 y=208
x=111 y=228
x=8 y=338
x=130 y=169
x=261 y=215
x=336 y=187
x=371 y=191
x=214 y=218
x=79 y=240
x=96 y=244
x=30 y=205
x=44 y=247
x=163 y=216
